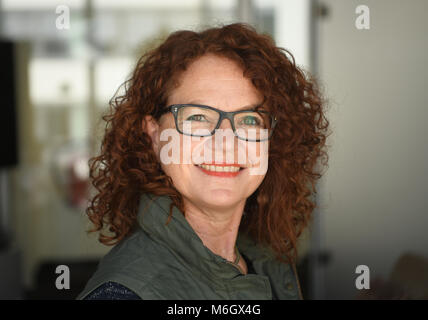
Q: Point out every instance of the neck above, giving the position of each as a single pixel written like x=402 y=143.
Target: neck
x=217 y=227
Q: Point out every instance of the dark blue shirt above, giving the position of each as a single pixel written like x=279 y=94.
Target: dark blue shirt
x=112 y=291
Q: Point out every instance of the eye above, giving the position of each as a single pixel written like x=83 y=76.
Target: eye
x=250 y=121
x=196 y=117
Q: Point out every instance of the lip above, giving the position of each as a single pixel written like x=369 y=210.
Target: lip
x=222 y=164
x=221 y=174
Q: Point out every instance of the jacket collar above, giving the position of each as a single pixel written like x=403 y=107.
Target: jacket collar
x=186 y=245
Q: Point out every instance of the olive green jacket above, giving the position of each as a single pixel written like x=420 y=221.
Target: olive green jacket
x=169 y=261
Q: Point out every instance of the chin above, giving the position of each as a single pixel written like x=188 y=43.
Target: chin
x=222 y=197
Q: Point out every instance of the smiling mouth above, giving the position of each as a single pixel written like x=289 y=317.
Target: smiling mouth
x=221 y=170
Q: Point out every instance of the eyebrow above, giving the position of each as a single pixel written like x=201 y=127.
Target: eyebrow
x=250 y=106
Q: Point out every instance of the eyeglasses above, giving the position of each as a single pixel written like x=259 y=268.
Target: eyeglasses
x=201 y=121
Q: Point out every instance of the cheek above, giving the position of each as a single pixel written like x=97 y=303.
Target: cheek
x=256 y=178
x=257 y=154
x=174 y=157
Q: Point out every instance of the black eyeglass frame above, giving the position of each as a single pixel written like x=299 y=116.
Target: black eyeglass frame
x=174 y=108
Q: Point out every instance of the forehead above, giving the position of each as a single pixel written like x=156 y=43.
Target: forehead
x=205 y=66
x=216 y=80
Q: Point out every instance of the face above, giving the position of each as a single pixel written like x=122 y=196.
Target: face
x=217 y=82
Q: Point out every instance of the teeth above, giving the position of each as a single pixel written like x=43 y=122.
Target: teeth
x=219 y=168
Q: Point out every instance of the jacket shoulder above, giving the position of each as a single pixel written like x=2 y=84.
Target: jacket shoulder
x=133 y=263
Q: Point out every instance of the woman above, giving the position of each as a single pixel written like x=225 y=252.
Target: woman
x=195 y=217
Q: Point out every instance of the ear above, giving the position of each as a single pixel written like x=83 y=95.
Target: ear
x=151 y=127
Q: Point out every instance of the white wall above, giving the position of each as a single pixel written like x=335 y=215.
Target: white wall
x=374 y=195
x=292 y=28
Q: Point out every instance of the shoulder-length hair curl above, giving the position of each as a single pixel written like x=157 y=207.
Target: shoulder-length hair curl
x=279 y=210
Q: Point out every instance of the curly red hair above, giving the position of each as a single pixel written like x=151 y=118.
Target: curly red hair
x=279 y=210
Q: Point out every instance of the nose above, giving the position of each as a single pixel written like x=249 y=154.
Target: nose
x=225 y=129
x=225 y=124
x=225 y=132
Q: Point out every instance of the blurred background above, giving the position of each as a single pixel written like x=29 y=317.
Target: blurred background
x=62 y=61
